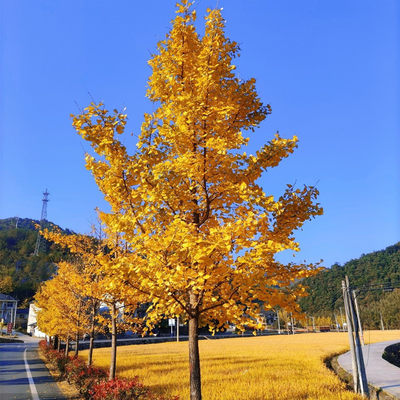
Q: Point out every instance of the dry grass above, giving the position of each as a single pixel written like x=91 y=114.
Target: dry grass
x=259 y=368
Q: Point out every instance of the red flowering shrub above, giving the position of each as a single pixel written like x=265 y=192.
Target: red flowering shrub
x=58 y=359
x=43 y=345
x=75 y=370
x=123 y=389
x=92 y=382
x=78 y=373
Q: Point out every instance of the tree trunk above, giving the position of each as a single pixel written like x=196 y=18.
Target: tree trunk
x=113 y=342
x=90 y=355
x=194 y=359
x=77 y=344
x=67 y=346
x=91 y=340
x=59 y=344
x=55 y=342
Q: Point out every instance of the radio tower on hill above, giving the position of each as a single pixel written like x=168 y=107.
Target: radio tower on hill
x=43 y=218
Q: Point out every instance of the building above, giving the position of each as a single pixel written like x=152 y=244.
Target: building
x=21 y=320
x=8 y=309
x=32 y=328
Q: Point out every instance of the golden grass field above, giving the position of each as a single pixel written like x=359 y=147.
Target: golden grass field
x=257 y=368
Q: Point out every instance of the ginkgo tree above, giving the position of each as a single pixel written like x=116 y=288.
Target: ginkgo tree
x=201 y=231
x=100 y=257
x=62 y=309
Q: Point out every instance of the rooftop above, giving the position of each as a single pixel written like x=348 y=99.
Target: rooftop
x=6 y=297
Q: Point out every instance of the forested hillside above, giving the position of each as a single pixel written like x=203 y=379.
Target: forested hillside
x=370 y=273
x=20 y=271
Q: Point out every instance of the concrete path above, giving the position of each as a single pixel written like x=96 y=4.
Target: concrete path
x=23 y=375
x=380 y=373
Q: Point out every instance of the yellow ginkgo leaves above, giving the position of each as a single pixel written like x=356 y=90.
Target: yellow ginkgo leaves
x=202 y=234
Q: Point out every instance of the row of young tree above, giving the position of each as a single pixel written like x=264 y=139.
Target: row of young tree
x=69 y=304
x=198 y=232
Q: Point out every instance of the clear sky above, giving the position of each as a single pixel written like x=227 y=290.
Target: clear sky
x=329 y=69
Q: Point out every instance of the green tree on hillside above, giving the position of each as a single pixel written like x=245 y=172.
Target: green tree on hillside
x=325 y=294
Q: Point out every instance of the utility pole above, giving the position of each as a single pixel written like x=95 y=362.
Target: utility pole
x=358 y=367
x=351 y=338
x=279 y=322
x=358 y=317
x=43 y=218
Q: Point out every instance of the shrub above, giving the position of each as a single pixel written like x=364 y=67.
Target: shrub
x=78 y=373
x=123 y=389
x=120 y=389
x=44 y=346
x=92 y=382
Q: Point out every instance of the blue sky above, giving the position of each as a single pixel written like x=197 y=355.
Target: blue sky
x=329 y=69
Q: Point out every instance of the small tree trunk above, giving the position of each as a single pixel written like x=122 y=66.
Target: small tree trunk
x=77 y=344
x=55 y=342
x=59 y=344
x=67 y=346
x=91 y=340
x=194 y=359
x=113 y=342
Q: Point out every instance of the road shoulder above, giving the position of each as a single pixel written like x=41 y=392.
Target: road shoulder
x=68 y=390
x=383 y=377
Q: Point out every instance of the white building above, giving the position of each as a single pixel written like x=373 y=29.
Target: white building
x=32 y=327
x=8 y=309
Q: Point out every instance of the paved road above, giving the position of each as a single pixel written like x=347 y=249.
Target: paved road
x=380 y=373
x=23 y=375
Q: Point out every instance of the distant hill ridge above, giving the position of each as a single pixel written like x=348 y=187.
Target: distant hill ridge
x=374 y=268
x=325 y=297
x=27 y=223
x=17 y=244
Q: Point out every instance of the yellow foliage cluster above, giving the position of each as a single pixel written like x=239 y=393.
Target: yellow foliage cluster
x=69 y=302
x=201 y=233
x=62 y=310
x=286 y=367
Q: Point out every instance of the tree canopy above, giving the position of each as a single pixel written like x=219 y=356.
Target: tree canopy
x=201 y=233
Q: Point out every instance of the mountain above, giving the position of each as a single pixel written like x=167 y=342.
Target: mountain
x=17 y=244
x=371 y=274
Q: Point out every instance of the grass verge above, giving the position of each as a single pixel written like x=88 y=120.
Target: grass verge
x=260 y=368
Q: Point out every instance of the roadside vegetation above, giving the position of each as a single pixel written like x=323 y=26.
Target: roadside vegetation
x=268 y=368
x=190 y=234
x=91 y=382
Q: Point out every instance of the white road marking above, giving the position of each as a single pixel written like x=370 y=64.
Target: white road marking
x=30 y=379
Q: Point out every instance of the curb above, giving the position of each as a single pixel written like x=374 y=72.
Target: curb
x=375 y=392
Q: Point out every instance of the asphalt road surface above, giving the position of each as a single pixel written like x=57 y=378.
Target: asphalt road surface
x=23 y=374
